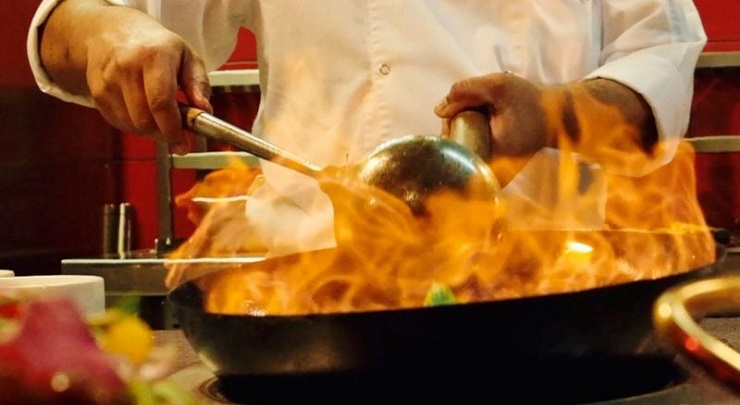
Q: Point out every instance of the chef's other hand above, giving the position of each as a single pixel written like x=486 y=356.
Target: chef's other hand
x=518 y=123
x=133 y=69
x=604 y=121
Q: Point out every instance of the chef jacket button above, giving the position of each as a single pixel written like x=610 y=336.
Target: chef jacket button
x=384 y=69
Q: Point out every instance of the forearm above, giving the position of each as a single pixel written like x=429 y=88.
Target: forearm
x=63 y=43
x=604 y=121
x=68 y=33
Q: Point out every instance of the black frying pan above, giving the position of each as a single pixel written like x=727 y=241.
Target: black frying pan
x=591 y=338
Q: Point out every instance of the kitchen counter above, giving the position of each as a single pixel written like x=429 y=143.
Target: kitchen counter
x=143 y=274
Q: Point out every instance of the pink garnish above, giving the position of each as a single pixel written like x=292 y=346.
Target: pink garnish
x=52 y=358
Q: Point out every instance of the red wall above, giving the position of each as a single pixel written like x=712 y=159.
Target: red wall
x=720 y=23
x=55 y=171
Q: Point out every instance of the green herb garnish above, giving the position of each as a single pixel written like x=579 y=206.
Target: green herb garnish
x=439 y=294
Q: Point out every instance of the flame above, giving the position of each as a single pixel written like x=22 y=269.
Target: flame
x=386 y=258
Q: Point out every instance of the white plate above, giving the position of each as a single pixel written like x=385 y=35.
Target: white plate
x=88 y=292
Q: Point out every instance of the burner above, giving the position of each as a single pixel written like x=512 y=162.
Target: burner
x=654 y=383
x=211 y=390
x=552 y=383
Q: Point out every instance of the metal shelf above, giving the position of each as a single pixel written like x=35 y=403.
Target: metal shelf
x=716 y=143
x=235 y=78
x=713 y=60
x=213 y=160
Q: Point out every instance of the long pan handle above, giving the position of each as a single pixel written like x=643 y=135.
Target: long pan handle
x=204 y=124
x=676 y=314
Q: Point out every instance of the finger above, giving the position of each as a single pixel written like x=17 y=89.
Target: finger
x=137 y=107
x=108 y=98
x=161 y=89
x=193 y=80
x=462 y=94
x=445 y=130
x=114 y=111
x=471 y=93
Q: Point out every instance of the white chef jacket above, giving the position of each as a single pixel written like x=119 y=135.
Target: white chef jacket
x=338 y=77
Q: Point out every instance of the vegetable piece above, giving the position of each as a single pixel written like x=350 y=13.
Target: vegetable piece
x=128 y=336
x=439 y=294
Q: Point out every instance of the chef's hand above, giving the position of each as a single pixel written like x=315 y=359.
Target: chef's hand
x=601 y=119
x=518 y=124
x=129 y=64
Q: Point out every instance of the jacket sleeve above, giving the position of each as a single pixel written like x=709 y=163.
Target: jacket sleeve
x=652 y=46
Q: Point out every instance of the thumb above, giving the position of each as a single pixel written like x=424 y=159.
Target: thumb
x=464 y=94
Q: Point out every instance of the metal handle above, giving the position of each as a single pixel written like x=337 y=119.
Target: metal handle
x=471 y=129
x=677 y=311
x=204 y=124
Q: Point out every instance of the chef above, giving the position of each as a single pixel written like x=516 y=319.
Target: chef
x=609 y=80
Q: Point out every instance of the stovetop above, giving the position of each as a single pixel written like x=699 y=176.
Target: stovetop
x=680 y=382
